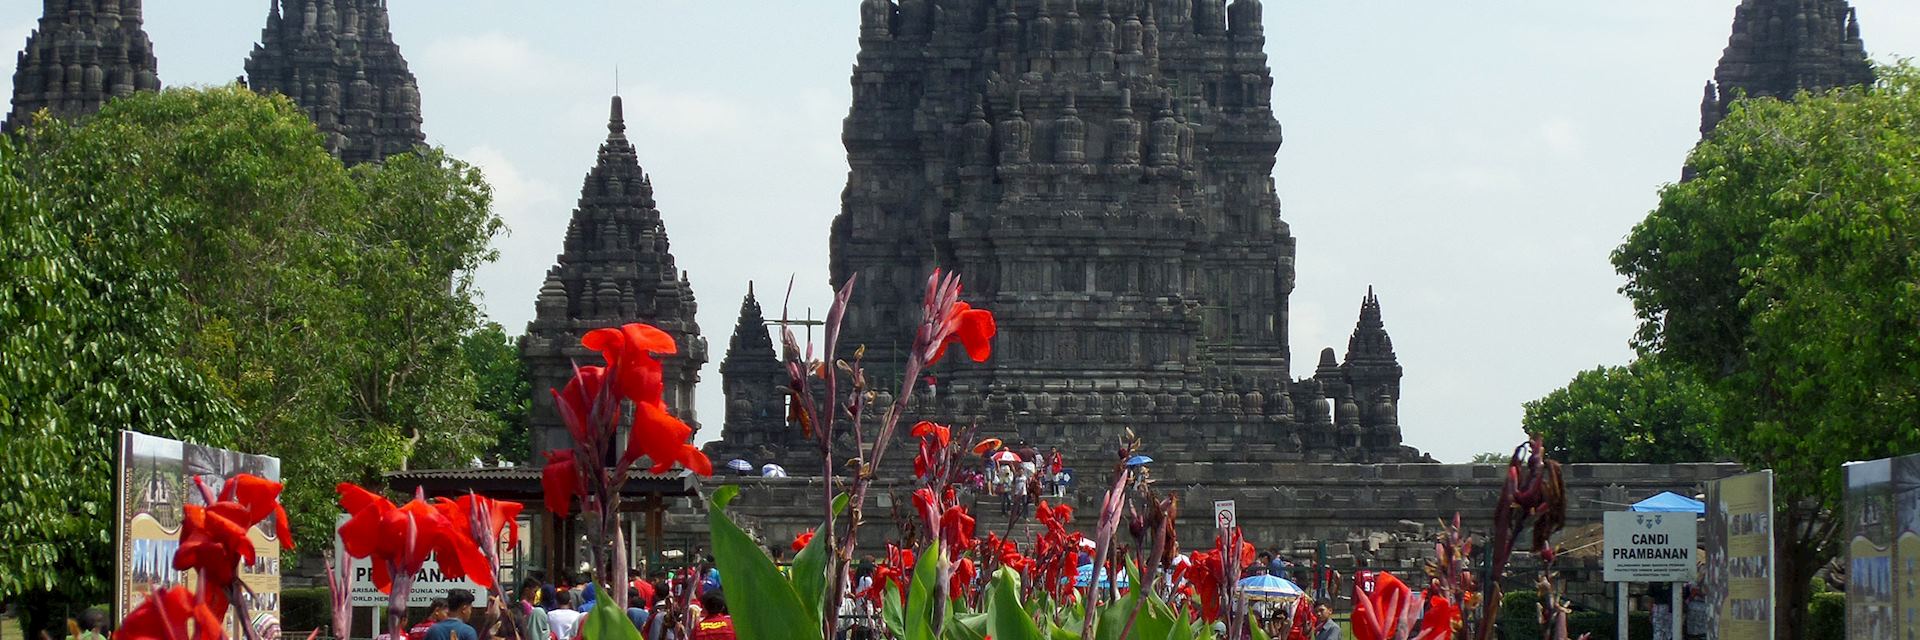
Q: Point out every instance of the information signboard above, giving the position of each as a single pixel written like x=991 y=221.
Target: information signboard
x=1650 y=547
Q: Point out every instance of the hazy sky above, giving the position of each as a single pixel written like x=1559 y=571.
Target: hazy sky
x=1474 y=161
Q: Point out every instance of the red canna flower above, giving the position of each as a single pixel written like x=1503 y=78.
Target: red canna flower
x=577 y=402
x=663 y=439
x=399 y=539
x=261 y=498
x=956 y=529
x=893 y=571
x=1440 y=621
x=559 y=482
x=213 y=545
x=1376 y=616
x=972 y=328
x=1204 y=572
x=629 y=351
x=800 y=541
x=941 y=434
x=963 y=575
x=476 y=522
x=213 y=538
x=1054 y=517
x=164 y=615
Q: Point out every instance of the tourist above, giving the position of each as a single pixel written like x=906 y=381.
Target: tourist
x=532 y=620
x=1278 y=565
x=715 y=624
x=436 y=611
x=1660 y=608
x=458 y=607
x=665 y=623
x=636 y=610
x=93 y=624
x=1329 y=629
x=638 y=580
x=562 y=618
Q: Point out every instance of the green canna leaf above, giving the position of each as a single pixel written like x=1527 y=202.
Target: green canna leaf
x=810 y=565
x=763 y=604
x=607 y=622
x=1006 y=619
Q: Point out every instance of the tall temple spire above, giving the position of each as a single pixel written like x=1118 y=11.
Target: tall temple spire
x=338 y=61
x=615 y=268
x=82 y=53
x=1100 y=173
x=1780 y=47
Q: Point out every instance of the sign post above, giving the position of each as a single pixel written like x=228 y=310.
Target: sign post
x=1649 y=547
x=1224 y=517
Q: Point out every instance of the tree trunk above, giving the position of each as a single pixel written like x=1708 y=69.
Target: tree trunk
x=1798 y=552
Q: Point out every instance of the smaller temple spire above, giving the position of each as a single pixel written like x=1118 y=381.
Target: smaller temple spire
x=1370 y=341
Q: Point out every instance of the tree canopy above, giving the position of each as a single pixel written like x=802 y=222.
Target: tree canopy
x=1642 y=412
x=192 y=264
x=1787 y=274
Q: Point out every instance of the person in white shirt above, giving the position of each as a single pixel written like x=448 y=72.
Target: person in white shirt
x=562 y=618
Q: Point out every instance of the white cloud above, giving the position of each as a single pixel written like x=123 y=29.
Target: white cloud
x=1563 y=137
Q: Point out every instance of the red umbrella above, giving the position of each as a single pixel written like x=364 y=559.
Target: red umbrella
x=1007 y=457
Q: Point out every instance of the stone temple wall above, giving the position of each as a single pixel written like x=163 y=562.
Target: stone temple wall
x=1372 y=516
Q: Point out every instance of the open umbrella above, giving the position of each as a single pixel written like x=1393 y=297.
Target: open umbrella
x=1008 y=457
x=737 y=464
x=1269 y=587
x=1138 y=460
x=1085 y=578
x=986 y=446
x=771 y=470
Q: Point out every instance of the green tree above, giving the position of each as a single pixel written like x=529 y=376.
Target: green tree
x=193 y=264
x=1788 y=274
x=1642 y=412
x=494 y=359
x=1491 y=457
x=90 y=336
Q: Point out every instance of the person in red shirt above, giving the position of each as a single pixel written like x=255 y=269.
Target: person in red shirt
x=715 y=624
x=646 y=590
x=437 y=613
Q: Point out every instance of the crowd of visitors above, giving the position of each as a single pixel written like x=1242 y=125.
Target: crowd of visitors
x=547 y=610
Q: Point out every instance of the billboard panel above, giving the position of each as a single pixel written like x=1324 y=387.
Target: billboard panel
x=153 y=484
x=1906 y=546
x=1739 y=568
x=1870 y=524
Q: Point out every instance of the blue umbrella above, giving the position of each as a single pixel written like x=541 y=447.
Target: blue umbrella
x=1138 y=460
x=1270 y=586
x=737 y=464
x=1085 y=578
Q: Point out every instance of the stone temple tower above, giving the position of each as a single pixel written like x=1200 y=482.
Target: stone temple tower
x=752 y=377
x=1099 y=171
x=82 y=53
x=337 y=60
x=1780 y=47
x=615 y=268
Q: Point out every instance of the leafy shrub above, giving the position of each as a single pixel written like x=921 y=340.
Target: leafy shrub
x=303 y=610
x=1519 y=615
x=1827 y=616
